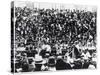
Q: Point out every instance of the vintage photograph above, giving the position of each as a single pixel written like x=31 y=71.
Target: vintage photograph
x=52 y=36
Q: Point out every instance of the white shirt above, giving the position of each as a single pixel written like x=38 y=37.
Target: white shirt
x=86 y=56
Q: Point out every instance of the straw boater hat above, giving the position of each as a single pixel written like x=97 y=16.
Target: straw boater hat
x=59 y=57
x=38 y=59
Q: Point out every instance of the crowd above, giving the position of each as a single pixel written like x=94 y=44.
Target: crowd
x=54 y=39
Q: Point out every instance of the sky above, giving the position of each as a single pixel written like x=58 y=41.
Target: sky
x=53 y=5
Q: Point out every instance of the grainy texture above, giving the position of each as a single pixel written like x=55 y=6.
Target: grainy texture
x=50 y=37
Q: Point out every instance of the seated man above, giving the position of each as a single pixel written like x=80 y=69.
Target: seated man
x=38 y=62
x=31 y=64
x=51 y=63
x=86 y=57
x=25 y=63
x=61 y=64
